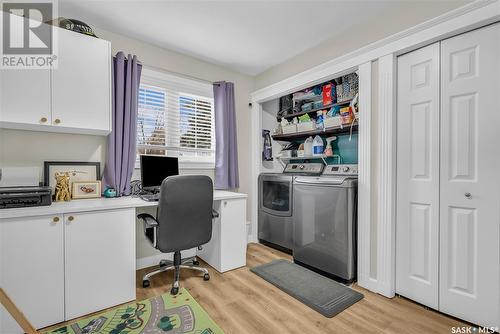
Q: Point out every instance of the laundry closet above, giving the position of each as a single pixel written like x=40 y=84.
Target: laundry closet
x=448 y=176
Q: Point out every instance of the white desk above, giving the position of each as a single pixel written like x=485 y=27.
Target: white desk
x=83 y=205
x=69 y=259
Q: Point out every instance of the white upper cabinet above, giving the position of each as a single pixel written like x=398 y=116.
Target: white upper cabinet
x=73 y=97
x=25 y=97
x=81 y=84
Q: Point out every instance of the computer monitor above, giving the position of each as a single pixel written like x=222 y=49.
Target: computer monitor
x=155 y=168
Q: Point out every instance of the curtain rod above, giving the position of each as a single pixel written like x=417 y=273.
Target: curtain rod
x=176 y=73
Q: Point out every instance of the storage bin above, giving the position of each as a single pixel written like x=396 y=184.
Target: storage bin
x=349 y=87
x=332 y=122
x=307 y=106
x=290 y=128
x=306 y=126
x=317 y=104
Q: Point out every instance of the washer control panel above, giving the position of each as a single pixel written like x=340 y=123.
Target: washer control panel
x=347 y=169
x=304 y=168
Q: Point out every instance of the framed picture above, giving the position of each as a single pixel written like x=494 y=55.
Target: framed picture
x=78 y=171
x=86 y=189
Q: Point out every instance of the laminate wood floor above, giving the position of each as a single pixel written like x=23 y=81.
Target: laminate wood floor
x=241 y=302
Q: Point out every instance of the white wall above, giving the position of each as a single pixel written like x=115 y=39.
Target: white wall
x=153 y=56
x=29 y=148
x=359 y=35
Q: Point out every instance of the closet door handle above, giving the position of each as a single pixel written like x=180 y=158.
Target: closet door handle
x=468 y=195
x=71 y=218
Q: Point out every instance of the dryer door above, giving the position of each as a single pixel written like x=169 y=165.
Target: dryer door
x=275 y=194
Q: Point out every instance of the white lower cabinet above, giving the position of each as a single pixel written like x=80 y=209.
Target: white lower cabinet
x=228 y=246
x=99 y=260
x=59 y=267
x=32 y=270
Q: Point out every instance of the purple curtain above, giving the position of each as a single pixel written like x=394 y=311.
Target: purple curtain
x=226 y=154
x=120 y=157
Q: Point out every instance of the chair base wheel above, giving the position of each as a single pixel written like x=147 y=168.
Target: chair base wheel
x=196 y=263
x=145 y=283
x=174 y=291
x=206 y=277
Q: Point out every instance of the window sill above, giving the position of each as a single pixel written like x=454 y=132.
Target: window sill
x=191 y=166
x=188 y=165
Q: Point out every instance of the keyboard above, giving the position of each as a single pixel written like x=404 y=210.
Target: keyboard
x=151 y=197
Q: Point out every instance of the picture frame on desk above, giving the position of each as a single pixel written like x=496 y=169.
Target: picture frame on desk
x=77 y=170
x=85 y=189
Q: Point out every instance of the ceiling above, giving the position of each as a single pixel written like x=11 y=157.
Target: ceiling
x=245 y=36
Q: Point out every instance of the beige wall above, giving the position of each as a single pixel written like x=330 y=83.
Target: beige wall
x=156 y=57
x=360 y=35
x=29 y=148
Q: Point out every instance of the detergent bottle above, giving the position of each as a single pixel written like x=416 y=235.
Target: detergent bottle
x=308 y=146
x=317 y=146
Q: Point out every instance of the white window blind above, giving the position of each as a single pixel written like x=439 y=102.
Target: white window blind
x=176 y=118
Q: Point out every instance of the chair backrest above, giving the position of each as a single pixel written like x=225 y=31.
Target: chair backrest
x=184 y=212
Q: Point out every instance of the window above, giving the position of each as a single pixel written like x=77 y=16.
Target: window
x=176 y=118
x=151 y=120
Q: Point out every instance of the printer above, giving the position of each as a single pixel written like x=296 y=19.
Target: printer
x=19 y=187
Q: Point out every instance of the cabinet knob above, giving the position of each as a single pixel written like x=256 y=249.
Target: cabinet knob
x=57 y=121
x=468 y=195
x=43 y=119
x=55 y=219
x=71 y=218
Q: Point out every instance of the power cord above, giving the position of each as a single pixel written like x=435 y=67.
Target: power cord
x=136 y=188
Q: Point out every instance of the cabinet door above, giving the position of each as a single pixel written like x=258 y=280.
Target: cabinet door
x=470 y=179
x=24 y=97
x=233 y=238
x=32 y=270
x=81 y=95
x=417 y=226
x=210 y=252
x=99 y=260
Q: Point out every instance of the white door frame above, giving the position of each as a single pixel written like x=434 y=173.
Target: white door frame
x=466 y=18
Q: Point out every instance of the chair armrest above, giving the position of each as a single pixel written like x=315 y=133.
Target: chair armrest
x=215 y=214
x=148 y=220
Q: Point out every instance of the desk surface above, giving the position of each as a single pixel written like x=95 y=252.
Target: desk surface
x=83 y=205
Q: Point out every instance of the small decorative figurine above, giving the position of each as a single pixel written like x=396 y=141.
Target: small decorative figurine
x=110 y=193
x=62 y=187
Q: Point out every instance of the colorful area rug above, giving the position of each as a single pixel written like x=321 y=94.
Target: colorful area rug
x=161 y=314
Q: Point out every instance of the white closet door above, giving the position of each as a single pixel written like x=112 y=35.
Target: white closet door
x=470 y=175
x=417 y=225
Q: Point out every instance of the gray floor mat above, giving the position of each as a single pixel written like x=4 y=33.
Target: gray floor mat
x=318 y=292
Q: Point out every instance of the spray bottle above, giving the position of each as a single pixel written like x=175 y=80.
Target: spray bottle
x=267 y=150
x=329 y=148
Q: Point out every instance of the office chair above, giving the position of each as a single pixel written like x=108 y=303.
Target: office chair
x=183 y=221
